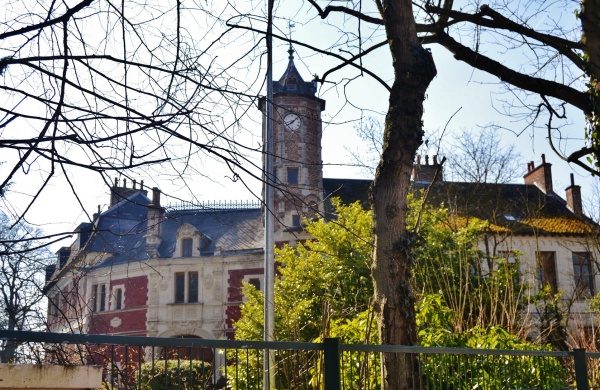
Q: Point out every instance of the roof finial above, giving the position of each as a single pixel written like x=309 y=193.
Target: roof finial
x=291 y=49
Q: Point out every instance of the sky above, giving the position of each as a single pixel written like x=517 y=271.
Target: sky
x=459 y=98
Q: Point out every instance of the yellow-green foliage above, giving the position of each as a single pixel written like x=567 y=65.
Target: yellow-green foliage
x=321 y=282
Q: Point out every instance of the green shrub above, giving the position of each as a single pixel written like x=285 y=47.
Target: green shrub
x=179 y=374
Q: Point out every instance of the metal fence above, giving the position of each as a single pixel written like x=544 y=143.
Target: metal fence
x=193 y=363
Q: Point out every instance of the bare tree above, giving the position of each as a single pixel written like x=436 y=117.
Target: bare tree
x=22 y=266
x=479 y=157
x=93 y=82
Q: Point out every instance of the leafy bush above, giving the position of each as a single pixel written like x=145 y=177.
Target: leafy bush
x=179 y=374
x=481 y=371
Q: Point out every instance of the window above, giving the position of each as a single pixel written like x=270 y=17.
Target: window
x=512 y=265
x=94 y=298
x=547 y=270
x=312 y=209
x=291 y=84
x=582 y=272
x=118 y=298
x=186 y=287
x=179 y=287
x=102 y=298
x=295 y=220
x=292 y=175
x=193 y=287
x=54 y=305
x=186 y=247
x=255 y=282
x=98 y=302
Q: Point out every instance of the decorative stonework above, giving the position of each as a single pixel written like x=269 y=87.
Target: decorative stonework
x=116 y=322
x=184 y=327
x=190 y=312
x=217 y=291
x=208 y=281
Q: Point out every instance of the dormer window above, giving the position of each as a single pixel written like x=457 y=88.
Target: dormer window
x=189 y=241
x=292 y=84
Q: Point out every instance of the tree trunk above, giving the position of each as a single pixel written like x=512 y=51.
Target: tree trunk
x=403 y=134
x=10 y=347
x=590 y=26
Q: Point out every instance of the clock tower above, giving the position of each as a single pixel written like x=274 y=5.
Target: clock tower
x=297 y=164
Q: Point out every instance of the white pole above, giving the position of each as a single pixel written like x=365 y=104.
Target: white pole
x=269 y=272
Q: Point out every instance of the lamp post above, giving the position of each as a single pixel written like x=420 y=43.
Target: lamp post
x=269 y=262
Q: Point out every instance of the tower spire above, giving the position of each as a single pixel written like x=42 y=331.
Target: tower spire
x=291 y=49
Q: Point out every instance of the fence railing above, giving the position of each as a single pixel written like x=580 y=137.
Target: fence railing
x=194 y=363
x=215 y=205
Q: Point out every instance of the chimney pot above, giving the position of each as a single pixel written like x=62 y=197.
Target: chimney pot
x=435 y=162
x=134 y=184
x=426 y=159
x=116 y=182
x=543 y=158
x=418 y=159
x=572 y=179
x=124 y=183
x=142 y=185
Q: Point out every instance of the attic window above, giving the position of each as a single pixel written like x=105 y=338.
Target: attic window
x=187 y=244
x=291 y=84
x=189 y=241
x=509 y=217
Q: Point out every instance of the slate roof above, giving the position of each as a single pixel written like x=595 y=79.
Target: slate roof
x=518 y=208
x=121 y=231
x=292 y=83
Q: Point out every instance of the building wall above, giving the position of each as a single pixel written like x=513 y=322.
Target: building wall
x=563 y=247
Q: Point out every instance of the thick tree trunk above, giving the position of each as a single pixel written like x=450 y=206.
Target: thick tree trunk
x=414 y=70
x=590 y=25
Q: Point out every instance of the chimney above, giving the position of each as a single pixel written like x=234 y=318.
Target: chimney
x=63 y=256
x=50 y=271
x=155 y=218
x=426 y=173
x=155 y=197
x=574 y=197
x=540 y=176
x=84 y=232
x=117 y=193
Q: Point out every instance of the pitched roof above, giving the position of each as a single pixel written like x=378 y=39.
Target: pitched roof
x=121 y=230
x=519 y=208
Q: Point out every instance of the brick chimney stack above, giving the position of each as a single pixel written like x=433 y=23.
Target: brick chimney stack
x=574 y=197
x=426 y=173
x=117 y=193
x=540 y=176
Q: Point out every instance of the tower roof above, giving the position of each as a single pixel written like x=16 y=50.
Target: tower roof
x=291 y=81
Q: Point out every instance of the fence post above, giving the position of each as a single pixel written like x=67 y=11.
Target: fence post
x=331 y=349
x=581 y=374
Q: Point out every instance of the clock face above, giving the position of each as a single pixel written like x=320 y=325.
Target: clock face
x=292 y=122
